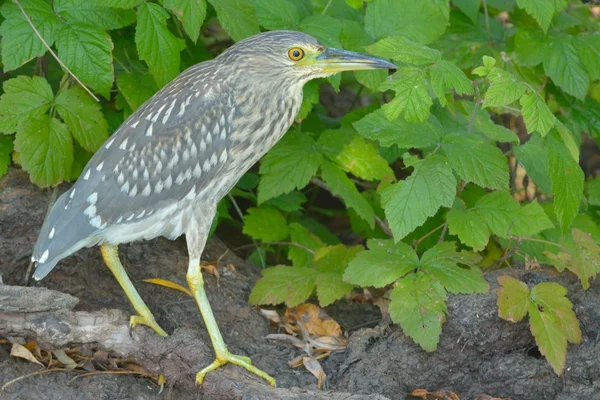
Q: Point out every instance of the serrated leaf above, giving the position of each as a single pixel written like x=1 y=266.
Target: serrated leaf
x=277 y=14
x=567 y=181
x=83 y=116
x=237 y=17
x=532 y=47
x=353 y=154
x=342 y=186
x=324 y=28
x=581 y=256
x=408 y=204
x=418 y=304
x=503 y=92
x=377 y=127
x=299 y=234
x=372 y=79
x=24 y=98
x=549 y=337
x=530 y=220
x=441 y=261
x=498 y=209
x=382 y=264
x=537 y=115
x=191 y=13
x=334 y=258
x=310 y=97
x=289 y=202
x=444 y=76
x=266 y=223
x=19 y=42
x=400 y=48
x=422 y=22
x=552 y=297
x=470 y=228
x=330 y=288
x=588 y=49
x=156 y=44
x=280 y=284
x=476 y=161
x=513 y=299
x=92 y=13
x=534 y=157
x=289 y=165
x=136 y=88
x=565 y=69
x=470 y=8
x=87 y=51
x=541 y=11
x=46 y=150
x=412 y=100
x=6 y=147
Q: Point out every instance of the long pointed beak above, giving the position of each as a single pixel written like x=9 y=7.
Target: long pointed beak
x=336 y=60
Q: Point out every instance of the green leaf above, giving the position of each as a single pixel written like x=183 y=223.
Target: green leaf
x=87 y=51
x=266 y=223
x=422 y=22
x=376 y=126
x=24 y=98
x=299 y=234
x=330 y=288
x=289 y=285
x=6 y=148
x=334 y=258
x=537 y=115
x=567 y=181
x=534 y=157
x=418 y=304
x=288 y=202
x=46 y=150
x=498 y=209
x=353 y=154
x=594 y=192
x=444 y=76
x=470 y=228
x=412 y=100
x=588 y=49
x=191 y=13
x=470 y=8
x=552 y=297
x=92 y=13
x=19 y=42
x=503 y=91
x=581 y=255
x=136 y=88
x=441 y=261
x=513 y=299
x=310 y=97
x=289 y=165
x=83 y=116
x=531 y=220
x=342 y=186
x=277 y=14
x=408 y=204
x=476 y=161
x=156 y=44
x=126 y=4
x=565 y=69
x=541 y=11
x=532 y=47
x=549 y=337
x=326 y=29
x=382 y=264
x=237 y=17
x=400 y=48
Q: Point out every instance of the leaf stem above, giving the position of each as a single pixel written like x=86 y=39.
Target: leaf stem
x=52 y=52
x=418 y=241
x=487 y=22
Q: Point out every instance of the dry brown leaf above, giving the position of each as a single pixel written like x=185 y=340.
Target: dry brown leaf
x=271 y=315
x=21 y=351
x=424 y=394
x=211 y=268
x=315 y=368
x=64 y=359
x=315 y=320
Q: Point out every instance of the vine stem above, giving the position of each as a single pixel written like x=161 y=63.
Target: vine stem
x=37 y=33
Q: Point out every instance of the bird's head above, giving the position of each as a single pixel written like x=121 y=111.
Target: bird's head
x=295 y=56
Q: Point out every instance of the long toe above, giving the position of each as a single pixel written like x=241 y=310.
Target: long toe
x=242 y=361
x=148 y=321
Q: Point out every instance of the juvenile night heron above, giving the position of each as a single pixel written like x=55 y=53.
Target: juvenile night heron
x=164 y=170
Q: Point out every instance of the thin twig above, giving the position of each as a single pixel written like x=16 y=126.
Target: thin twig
x=52 y=52
x=44 y=371
x=443 y=234
x=327 y=7
x=418 y=241
x=529 y=239
x=383 y=226
x=487 y=22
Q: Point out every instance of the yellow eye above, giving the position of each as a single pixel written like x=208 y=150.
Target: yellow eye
x=296 y=54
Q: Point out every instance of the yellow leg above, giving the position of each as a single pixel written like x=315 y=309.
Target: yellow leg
x=223 y=356
x=110 y=254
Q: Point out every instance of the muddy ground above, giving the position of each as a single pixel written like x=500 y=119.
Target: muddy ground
x=478 y=353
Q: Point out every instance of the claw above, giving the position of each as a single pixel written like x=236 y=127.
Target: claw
x=242 y=361
x=149 y=322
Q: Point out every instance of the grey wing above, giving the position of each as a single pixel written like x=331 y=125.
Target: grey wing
x=167 y=151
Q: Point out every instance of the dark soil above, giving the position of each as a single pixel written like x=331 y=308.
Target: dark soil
x=478 y=352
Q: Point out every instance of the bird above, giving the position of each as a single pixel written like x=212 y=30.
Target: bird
x=163 y=171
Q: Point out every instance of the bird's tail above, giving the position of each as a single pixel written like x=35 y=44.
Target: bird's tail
x=61 y=235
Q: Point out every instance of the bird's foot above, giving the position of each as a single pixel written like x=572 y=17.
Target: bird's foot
x=242 y=361
x=148 y=321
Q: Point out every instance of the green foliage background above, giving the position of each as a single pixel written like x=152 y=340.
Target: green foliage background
x=423 y=172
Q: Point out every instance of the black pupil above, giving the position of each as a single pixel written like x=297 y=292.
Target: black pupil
x=296 y=53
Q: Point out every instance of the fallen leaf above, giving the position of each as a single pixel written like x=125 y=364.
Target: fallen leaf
x=21 y=351
x=271 y=315
x=315 y=368
x=315 y=320
x=64 y=359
